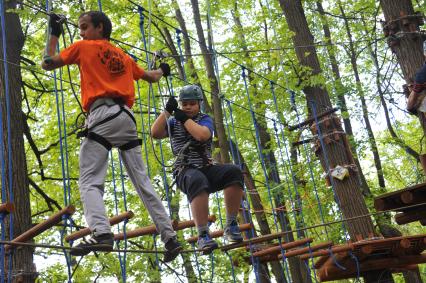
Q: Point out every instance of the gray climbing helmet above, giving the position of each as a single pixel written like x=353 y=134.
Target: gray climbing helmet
x=191 y=92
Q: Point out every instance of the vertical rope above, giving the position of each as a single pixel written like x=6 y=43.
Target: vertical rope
x=63 y=146
x=143 y=128
x=182 y=59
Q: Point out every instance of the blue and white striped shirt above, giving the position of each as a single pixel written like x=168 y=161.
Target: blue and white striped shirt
x=197 y=152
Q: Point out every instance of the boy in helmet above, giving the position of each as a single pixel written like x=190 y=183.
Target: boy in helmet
x=195 y=172
x=107 y=92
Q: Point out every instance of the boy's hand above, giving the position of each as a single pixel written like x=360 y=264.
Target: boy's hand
x=165 y=68
x=171 y=104
x=55 y=23
x=181 y=116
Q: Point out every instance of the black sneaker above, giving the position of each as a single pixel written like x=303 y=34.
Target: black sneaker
x=102 y=242
x=173 y=247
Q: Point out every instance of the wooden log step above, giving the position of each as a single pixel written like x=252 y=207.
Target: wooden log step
x=152 y=229
x=256 y=240
x=284 y=246
x=413 y=197
x=306 y=250
x=327 y=260
x=190 y=223
x=410 y=216
x=43 y=226
x=311 y=120
x=219 y=233
x=334 y=250
x=332 y=272
x=401 y=198
x=112 y=221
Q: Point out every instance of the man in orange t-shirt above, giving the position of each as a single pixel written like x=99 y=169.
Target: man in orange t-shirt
x=107 y=94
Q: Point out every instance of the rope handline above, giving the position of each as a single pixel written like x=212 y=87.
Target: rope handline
x=122 y=261
x=62 y=143
x=151 y=95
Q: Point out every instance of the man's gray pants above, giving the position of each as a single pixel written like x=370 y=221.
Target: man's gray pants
x=93 y=168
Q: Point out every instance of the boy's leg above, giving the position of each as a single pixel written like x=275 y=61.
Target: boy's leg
x=196 y=186
x=233 y=195
x=228 y=178
x=200 y=211
x=93 y=167
x=132 y=160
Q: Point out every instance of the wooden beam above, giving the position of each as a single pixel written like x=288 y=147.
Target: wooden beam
x=256 y=240
x=410 y=216
x=112 y=221
x=190 y=223
x=306 y=250
x=393 y=200
x=311 y=120
x=334 y=250
x=414 y=196
x=284 y=246
x=151 y=229
x=43 y=226
x=332 y=272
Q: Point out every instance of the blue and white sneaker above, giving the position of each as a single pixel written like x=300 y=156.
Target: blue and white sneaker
x=206 y=244
x=232 y=234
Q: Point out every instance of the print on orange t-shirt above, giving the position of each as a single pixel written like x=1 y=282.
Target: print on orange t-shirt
x=105 y=71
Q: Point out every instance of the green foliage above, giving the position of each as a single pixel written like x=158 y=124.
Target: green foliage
x=263 y=44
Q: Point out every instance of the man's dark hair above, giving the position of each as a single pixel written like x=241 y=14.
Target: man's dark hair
x=97 y=18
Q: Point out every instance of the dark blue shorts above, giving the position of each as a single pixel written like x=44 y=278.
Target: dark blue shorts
x=210 y=179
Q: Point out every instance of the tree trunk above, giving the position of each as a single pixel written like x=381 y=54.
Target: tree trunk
x=340 y=89
x=349 y=197
x=214 y=86
x=22 y=260
x=407 y=46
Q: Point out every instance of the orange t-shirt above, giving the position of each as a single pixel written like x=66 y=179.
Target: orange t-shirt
x=105 y=70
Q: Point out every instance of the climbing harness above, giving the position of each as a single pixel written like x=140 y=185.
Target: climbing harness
x=88 y=132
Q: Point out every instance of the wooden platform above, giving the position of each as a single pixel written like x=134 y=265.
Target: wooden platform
x=395 y=254
x=409 y=202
